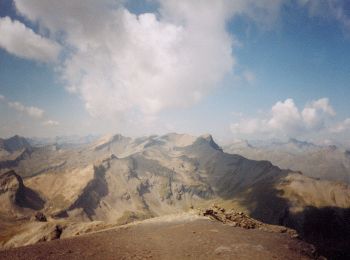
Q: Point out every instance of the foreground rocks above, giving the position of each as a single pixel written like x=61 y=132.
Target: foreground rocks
x=39 y=216
x=240 y=219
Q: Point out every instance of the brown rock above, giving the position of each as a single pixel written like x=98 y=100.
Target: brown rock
x=39 y=216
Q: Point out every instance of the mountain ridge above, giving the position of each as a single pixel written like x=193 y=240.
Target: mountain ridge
x=326 y=162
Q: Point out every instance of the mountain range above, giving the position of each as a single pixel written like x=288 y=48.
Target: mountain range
x=117 y=180
x=328 y=162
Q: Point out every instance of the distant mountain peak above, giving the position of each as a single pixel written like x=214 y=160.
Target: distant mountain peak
x=209 y=139
x=118 y=137
x=179 y=140
x=107 y=140
x=207 y=136
x=15 y=143
x=300 y=143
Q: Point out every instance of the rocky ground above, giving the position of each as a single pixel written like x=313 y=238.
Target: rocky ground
x=186 y=236
x=242 y=220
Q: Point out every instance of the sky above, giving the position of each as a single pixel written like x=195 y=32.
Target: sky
x=238 y=69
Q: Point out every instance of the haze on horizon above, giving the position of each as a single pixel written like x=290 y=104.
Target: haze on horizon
x=236 y=69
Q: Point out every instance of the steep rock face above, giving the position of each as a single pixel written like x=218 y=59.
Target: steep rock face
x=12 y=184
x=91 y=195
x=15 y=196
x=207 y=138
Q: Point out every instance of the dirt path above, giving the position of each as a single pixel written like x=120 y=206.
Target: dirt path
x=183 y=239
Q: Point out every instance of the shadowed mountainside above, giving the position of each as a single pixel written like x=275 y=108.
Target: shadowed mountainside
x=15 y=196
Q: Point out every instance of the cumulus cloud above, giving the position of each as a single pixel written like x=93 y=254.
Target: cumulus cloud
x=285 y=118
x=134 y=66
x=21 y=41
x=315 y=113
x=123 y=63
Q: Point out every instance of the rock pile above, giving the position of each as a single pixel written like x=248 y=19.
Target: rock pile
x=55 y=233
x=242 y=220
x=231 y=217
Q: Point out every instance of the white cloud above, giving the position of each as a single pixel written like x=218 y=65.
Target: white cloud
x=125 y=66
x=286 y=119
x=31 y=112
x=316 y=113
x=323 y=105
x=342 y=126
x=28 y=110
x=21 y=41
x=51 y=123
x=285 y=116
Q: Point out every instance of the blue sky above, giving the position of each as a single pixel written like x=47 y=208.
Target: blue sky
x=228 y=69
